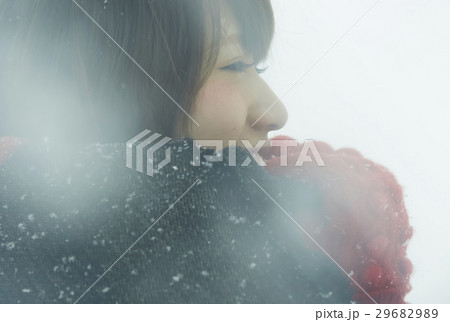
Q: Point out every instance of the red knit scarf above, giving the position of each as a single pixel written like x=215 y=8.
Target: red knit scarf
x=363 y=224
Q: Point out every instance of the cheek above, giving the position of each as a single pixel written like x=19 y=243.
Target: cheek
x=220 y=110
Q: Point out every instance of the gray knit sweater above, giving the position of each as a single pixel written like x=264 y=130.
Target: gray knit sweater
x=70 y=215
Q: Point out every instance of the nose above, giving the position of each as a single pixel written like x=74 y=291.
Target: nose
x=265 y=112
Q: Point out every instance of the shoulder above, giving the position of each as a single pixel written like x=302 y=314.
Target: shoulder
x=42 y=166
x=81 y=207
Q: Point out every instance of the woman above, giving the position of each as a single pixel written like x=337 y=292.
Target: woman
x=77 y=226
x=59 y=53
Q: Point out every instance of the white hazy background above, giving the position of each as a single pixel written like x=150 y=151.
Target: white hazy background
x=383 y=89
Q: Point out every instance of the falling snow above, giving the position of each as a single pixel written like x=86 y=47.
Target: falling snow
x=178 y=277
x=327 y=295
x=236 y=220
x=10 y=245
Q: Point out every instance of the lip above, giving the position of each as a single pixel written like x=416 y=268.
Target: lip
x=268 y=152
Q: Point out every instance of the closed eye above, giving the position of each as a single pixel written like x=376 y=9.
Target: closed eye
x=241 y=66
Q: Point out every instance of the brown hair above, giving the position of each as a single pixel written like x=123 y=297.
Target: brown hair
x=65 y=77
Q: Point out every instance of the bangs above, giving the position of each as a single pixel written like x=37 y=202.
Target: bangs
x=256 y=26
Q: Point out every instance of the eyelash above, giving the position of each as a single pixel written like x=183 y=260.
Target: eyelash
x=241 y=66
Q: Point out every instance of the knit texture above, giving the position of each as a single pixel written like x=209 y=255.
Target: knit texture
x=70 y=214
x=360 y=219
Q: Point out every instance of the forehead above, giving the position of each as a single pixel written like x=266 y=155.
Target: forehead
x=229 y=27
x=230 y=38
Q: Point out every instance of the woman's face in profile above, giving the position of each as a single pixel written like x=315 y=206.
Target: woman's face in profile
x=234 y=97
